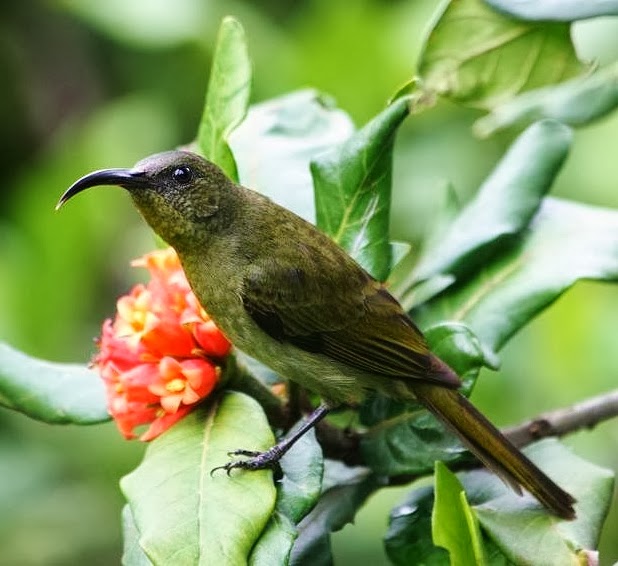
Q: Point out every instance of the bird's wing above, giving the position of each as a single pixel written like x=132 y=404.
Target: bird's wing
x=343 y=314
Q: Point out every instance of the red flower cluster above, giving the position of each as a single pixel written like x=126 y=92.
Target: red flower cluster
x=158 y=357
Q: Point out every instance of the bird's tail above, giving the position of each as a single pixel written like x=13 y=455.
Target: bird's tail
x=493 y=449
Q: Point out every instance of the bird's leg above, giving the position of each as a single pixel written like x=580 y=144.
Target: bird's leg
x=270 y=458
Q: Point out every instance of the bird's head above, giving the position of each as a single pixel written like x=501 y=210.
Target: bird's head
x=178 y=193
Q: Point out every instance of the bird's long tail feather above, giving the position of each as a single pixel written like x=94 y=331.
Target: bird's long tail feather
x=493 y=449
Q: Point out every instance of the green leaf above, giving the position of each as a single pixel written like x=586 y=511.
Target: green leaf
x=227 y=97
x=419 y=292
x=494 y=555
x=403 y=278
x=565 y=242
x=457 y=345
x=275 y=544
x=577 y=102
x=408 y=539
x=51 y=392
x=503 y=206
x=275 y=143
x=405 y=438
x=132 y=554
x=303 y=467
x=478 y=57
x=525 y=532
x=297 y=493
x=345 y=490
x=353 y=190
x=184 y=514
x=550 y=10
x=400 y=250
x=454 y=524
x=409 y=443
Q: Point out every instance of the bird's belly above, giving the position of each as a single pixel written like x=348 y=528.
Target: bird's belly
x=319 y=374
x=312 y=371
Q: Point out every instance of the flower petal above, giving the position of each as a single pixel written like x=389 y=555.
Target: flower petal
x=162 y=423
x=211 y=339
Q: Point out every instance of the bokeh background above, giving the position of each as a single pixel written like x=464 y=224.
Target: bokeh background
x=90 y=84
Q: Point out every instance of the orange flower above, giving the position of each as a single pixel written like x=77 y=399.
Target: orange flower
x=158 y=357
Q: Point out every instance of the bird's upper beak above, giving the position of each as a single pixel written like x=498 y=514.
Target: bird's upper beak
x=126 y=178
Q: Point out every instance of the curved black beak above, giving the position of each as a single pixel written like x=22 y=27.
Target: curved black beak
x=118 y=177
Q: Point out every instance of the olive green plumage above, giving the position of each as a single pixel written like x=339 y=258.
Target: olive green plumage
x=289 y=296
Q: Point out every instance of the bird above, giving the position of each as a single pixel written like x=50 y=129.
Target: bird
x=286 y=294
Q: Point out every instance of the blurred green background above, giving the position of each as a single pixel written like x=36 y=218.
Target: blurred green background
x=92 y=84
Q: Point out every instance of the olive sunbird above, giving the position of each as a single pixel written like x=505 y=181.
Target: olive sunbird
x=286 y=294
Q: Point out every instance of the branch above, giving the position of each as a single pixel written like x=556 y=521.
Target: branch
x=560 y=422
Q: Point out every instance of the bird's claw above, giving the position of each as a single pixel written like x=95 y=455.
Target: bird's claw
x=255 y=461
x=227 y=467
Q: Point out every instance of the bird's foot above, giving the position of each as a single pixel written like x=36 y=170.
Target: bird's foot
x=254 y=460
x=270 y=458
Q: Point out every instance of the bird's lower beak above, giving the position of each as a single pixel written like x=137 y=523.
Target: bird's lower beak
x=119 y=177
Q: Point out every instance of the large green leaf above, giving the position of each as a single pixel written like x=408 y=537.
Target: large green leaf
x=406 y=439
x=576 y=102
x=454 y=524
x=408 y=539
x=524 y=531
x=516 y=529
x=565 y=242
x=51 y=392
x=550 y=10
x=277 y=140
x=184 y=514
x=503 y=206
x=353 y=190
x=345 y=490
x=227 y=97
x=297 y=493
x=478 y=57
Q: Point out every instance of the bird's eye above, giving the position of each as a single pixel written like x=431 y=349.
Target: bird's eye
x=182 y=174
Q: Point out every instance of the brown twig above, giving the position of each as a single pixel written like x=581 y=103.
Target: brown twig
x=560 y=422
